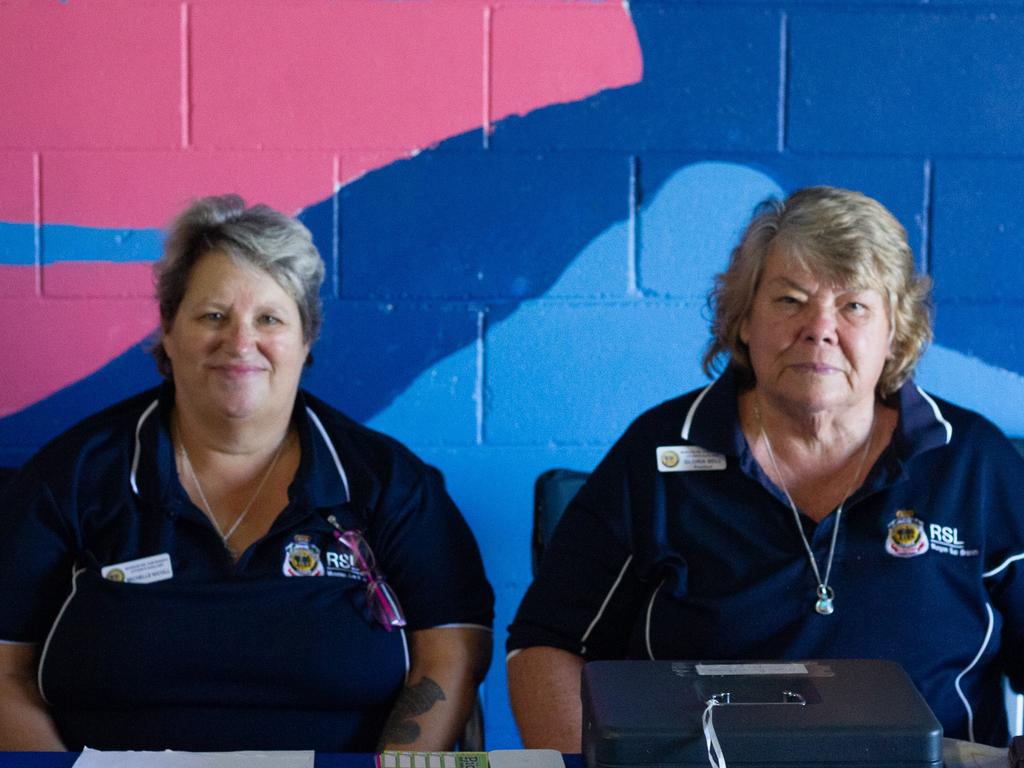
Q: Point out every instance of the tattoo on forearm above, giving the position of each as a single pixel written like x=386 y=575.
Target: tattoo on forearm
x=414 y=700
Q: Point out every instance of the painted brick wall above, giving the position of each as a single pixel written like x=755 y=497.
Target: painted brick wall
x=521 y=202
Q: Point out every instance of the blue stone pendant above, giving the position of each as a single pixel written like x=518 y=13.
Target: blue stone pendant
x=824 y=603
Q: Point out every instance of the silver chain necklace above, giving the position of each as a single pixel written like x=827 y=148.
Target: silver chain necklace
x=824 y=593
x=226 y=535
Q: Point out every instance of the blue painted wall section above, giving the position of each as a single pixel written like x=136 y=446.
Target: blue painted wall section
x=509 y=305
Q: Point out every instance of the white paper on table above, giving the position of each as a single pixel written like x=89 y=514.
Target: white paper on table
x=94 y=758
x=525 y=758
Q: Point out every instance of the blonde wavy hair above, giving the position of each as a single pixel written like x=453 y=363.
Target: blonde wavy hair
x=847 y=238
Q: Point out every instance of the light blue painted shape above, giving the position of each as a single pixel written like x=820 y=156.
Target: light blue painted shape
x=994 y=392
x=691 y=227
x=601 y=269
x=572 y=373
x=17 y=244
x=61 y=242
x=436 y=408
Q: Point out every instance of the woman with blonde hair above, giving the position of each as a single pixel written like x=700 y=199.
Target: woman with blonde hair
x=811 y=502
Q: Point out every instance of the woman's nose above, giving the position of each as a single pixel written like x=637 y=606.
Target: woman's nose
x=240 y=337
x=820 y=324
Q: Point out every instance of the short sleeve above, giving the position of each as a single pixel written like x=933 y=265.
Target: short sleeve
x=584 y=598
x=36 y=558
x=427 y=551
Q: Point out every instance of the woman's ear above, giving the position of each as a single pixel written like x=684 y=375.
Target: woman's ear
x=745 y=331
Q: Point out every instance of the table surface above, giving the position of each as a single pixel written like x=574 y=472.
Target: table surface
x=955 y=754
x=320 y=760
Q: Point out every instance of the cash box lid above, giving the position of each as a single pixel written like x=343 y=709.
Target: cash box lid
x=833 y=712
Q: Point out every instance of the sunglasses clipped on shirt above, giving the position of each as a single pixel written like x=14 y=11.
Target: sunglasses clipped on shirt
x=380 y=597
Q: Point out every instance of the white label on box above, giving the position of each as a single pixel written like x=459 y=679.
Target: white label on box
x=752 y=669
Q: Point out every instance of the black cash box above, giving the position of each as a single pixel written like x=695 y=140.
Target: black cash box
x=837 y=713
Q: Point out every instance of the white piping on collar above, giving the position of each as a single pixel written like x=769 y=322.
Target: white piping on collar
x=334 y=454
x=138 y=445
x=693 y=412
x=938 y=414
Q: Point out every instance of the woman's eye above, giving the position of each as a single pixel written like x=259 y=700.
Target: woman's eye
x=270 y=320
x=215 y=316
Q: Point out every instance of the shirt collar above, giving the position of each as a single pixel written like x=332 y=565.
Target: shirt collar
x=712 y=420
x=321 y=478
x=321 y=475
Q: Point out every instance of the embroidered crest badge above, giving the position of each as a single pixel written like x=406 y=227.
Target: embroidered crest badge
x=302 y=557
x=906 y=536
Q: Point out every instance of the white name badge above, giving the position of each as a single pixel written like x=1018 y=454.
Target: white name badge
x=145 y=570
x=688 y=458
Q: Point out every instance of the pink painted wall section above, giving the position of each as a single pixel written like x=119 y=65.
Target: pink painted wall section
x=370 y=80
x=144 y=189
x=73 y=347
x=92 y=279
x=17 y=281
x=17 y=184
x=90 y=75
x=357 y=75
x=549 y=55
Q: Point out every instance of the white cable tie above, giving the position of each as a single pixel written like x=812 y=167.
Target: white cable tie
x=715 y=756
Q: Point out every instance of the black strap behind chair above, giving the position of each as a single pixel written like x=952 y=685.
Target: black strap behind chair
x=552 y=493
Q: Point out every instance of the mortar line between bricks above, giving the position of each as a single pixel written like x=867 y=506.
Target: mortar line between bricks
x=185 y=107
x=486 y=84
x=480 y=387
x=37 y=221
x=783 y=106
x=336 y=226
x=632 y=277
x=926 y=217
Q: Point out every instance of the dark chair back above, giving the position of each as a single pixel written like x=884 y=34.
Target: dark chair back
x=552 y=493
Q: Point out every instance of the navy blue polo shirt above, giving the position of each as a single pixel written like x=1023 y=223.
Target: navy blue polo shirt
x=696 y=556
x=152 y=637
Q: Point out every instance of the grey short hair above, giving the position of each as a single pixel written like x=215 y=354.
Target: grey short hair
x=259 y=237
x=848 y=238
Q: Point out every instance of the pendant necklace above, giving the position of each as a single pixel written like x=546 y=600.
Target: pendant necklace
x=226 y=535
x=824 y=593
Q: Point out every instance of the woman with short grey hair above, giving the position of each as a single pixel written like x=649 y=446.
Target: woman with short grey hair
x=258 y=236
x=227 y=562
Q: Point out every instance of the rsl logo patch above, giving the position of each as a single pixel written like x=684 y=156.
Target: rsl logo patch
x=906 y=535
x=302 y=557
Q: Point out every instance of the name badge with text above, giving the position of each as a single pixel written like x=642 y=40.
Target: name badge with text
x=145 y=570
x=688 y=458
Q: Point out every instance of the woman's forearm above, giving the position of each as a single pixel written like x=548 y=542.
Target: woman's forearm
x=544 y=686
x=430 y=713
x=25 y=722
